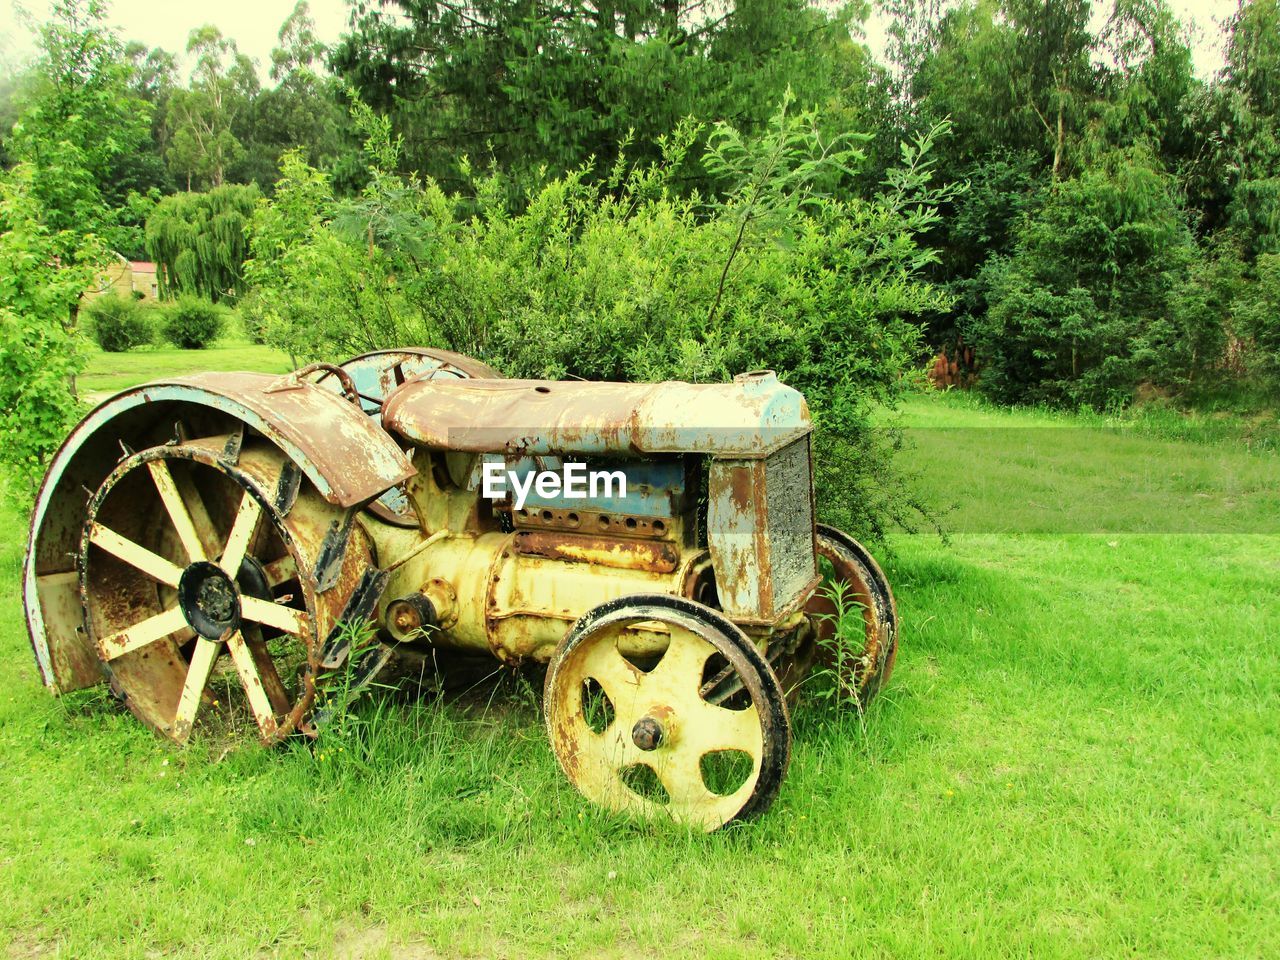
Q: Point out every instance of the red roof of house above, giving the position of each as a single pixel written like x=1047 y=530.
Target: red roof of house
x=142 y=266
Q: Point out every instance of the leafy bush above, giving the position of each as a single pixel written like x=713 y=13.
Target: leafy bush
x=192 y=324
x=41 y=350
x=621 y=277
x=1094 y=298
x=253 y=317
x=1257 y=315
x=119 y=324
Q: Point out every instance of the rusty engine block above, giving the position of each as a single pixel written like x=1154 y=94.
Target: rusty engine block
x=214 y=546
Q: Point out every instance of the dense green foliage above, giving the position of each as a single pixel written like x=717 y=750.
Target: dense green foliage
x=56 y=206
x=79 y=126
x=590 y=190
x=198 y=241
x=1117 y=204
x=120 y=323
x=191 y=323
x=621 y=277
x=1092 y=298
x=528 y=85
x=41 y=349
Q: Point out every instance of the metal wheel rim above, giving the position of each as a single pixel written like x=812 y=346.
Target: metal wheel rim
x=870 y=670
x=160 y=635
x=595 y=762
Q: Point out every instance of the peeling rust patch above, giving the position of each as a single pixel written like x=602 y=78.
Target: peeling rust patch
x=654 y=556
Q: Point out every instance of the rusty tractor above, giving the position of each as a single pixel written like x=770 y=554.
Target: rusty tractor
x=206 y=544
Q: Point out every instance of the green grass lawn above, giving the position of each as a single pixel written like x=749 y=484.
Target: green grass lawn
x=1076 y=757
x=110 y=372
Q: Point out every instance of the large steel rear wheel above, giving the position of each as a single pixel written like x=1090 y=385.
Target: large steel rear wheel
x=211 y=577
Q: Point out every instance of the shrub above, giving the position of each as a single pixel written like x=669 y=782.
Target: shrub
x=1095 y=298
x=192 y=324
x=253 y=317
x=622 y=278
x=1258 y=310
x=119 y=324
x=41 y=351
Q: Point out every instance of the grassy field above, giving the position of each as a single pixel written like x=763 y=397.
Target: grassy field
x=1077 y=757
x=109 y=372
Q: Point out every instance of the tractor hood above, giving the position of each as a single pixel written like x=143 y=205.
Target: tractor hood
x=747 y=419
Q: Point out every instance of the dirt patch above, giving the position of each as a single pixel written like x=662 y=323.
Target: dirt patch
x=375 y=943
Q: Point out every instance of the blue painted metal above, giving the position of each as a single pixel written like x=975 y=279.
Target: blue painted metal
x=654 y=487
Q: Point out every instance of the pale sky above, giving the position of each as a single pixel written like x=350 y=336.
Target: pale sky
x=253 y=24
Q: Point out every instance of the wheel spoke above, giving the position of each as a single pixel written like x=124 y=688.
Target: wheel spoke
x=177 y=509
x=197 y=676
x=718 y=728
x=251 y=677
x=681 y=774
x=242 y=531
x=271 y=682
x=281 y=571
x=274 y=615
x=205 y=530
x=682 y=665
x=141 y=634
x=620 y=680
x=140 y=558
x=605 y=755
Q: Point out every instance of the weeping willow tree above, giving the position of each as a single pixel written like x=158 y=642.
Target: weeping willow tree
x=199 y=241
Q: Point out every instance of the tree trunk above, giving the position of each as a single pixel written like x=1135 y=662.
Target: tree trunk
x=73 y=319
x=1058 y=146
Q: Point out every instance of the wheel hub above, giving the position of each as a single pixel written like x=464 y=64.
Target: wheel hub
x=648 y=734
x=209 y=600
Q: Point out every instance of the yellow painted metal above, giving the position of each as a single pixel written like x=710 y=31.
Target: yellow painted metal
x=514 y=605
x=597 y=762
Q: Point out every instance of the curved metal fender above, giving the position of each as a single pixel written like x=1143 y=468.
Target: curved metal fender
x=345 y=454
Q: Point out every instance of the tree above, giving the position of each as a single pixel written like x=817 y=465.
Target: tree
x=80 y=127
x=154 y=79
x=198 y=241
x=1086 y=306
x=77 y=129
x=540 y=87
x=304 y=109
x=202 y=118
x=42 y=276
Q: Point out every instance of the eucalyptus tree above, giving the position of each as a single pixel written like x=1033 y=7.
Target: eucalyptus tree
x=202 y=118
x=304 y=108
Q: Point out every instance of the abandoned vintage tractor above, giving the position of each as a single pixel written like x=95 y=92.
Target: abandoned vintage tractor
x=213 y=547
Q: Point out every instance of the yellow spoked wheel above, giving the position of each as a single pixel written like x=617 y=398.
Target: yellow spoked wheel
x=200 y=581
x=854 y=573
x=659 y=706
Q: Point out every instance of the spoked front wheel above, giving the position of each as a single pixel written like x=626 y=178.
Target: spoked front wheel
x=636 y=723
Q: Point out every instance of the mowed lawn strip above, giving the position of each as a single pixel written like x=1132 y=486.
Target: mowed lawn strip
x=108 y=373
x=1075 y=757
